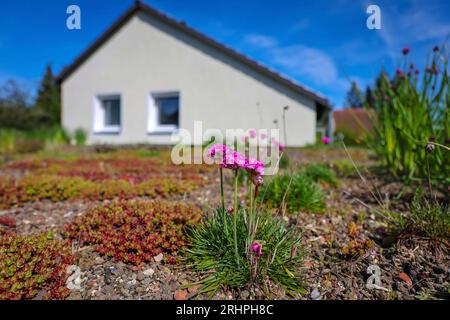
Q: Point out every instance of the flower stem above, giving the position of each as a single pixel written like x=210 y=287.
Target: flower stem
x=223 y=202
x=235 y=217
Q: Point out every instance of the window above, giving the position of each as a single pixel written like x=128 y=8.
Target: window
x=112 y=112
x=107 y=114
x=164 y=112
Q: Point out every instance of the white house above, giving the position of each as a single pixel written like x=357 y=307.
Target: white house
x=149 y=74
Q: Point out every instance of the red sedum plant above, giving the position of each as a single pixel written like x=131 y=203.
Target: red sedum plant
x=136 y=231
x=33 y=265
x=57 y=188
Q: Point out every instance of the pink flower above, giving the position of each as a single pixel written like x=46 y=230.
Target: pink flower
x=405 y=51
x=263 y=136
x=256 y=248
x=254 y=167
x=326 y=140
x=417 y=71
x=233 y=160
x=252 y=133
x=400 y=73
x=218 y=149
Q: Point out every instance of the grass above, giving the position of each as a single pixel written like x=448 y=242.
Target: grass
x=320 y=173
x=211 y=252
x=425 y=217
x=300 y=190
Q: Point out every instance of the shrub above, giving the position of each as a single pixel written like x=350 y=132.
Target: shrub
x=409 y=114
x=211 y=253
x=425 y=217
x=29 y=265
x=136 y=231
x=80 y=137
x=302 y=193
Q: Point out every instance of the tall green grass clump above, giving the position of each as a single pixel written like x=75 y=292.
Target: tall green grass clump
x=80 y=137
x=298 y=191
x=425 y=217
x=412 y=113
x=212 y=249
x=15 y=141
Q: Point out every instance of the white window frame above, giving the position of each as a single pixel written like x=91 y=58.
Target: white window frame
x=99 y=114
x=153 y=113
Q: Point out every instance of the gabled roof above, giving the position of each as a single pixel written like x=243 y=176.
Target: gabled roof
x=181 y=26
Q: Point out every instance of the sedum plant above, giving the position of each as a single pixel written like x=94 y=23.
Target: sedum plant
x=136 y=231
x=32 y=265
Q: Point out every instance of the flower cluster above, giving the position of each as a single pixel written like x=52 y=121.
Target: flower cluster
x=326 y=140
x=256 y=249
x=234 y=160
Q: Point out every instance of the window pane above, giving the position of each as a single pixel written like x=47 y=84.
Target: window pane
x=112 y=112
x=168 y=110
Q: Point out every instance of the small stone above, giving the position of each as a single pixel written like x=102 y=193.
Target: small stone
x=113 y=270
x=99 y=260
x=180 y=295
x=245 y=294
x=159 y=257
x=403 y=276
x=315 y=295
x=149 y=272
x=132 y=283
x=326 y=271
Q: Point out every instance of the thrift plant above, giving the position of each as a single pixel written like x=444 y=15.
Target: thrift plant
x=244 y=245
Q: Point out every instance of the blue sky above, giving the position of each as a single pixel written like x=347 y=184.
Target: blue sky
x=320 y=43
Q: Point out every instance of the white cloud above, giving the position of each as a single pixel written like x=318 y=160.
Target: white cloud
x=309 y=65
x=260 y=41
x=307 y=62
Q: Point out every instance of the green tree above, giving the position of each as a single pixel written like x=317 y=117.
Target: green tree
x=48 y=101
x=354 y=97
x=15 y=107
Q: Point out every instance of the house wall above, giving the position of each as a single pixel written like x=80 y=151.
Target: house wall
x=147 y=56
